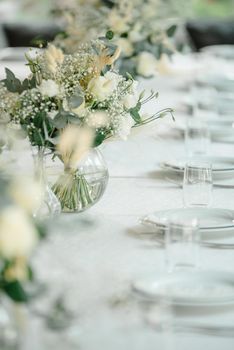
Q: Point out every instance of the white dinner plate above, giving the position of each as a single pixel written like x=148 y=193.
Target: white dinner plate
x=17 y=53
x=219 y=164
x=188 y=288
x=208 y=218
x=221 y=82
x=224 y=138
x=221 y=51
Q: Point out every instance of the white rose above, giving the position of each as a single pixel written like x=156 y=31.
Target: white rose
x=49 y=88
x=103 y=86
x=124 y=129
x=27 y=193
x=147 y=64
x=126 y=46
x=18 y=235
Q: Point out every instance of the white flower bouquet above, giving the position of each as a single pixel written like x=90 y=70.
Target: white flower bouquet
x=81 y=97
x=19 y=235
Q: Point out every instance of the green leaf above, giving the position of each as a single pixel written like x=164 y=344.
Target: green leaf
x=134 y=112
x=11 y=82
x=29 y=83
x=109 y=34
x=171 y=30
x=99 y=138
x=15 y=291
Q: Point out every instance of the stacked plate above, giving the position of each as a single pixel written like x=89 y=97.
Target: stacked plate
x=216 y=224
x=221 y=51
x=222 y=168
x=203 y=288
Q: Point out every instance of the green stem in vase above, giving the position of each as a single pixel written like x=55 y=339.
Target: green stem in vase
x=73 y=191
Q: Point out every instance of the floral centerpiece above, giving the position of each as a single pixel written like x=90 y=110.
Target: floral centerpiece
x=144 y=33
x=71 y=103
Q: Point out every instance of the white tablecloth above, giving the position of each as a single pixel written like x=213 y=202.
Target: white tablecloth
x=92 y=258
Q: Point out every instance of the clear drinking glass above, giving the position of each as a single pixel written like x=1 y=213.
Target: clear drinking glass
x=197 y=184
x=182 y=244
x=197 y=137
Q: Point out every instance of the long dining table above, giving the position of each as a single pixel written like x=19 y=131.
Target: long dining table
x=90 y=260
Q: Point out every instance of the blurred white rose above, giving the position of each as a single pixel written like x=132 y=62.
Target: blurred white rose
x=49 y=88
x=124 y=129
x=164 y=65
x=135 y=34
x=147 y=64
x=103 y=86
x=117 y=23
x=18 y=236
x=126 y=46
x=27 y=193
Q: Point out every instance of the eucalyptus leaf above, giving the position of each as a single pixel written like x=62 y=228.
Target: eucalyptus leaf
x=11 y=82
x=60 y=120
x=76 y=100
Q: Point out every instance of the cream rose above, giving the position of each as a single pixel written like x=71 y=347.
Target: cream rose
x=49 y=88
x=103 y=86
x=126 y=46
x=18 y=235
x=147 y=64
x=130 y=101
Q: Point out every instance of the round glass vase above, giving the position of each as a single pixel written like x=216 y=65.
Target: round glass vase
x=50 y=205
x=79 y=189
